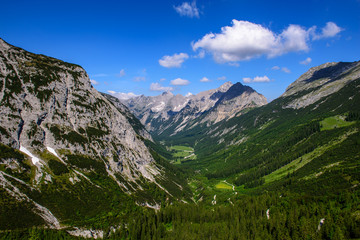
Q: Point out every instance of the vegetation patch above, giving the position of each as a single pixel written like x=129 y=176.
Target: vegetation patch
x=334 y=122
x=224 y=185
x=182 y=154
x=85 y=162
x=57 y=167
x=305 y=159
x=16 y=214
x=95 y=132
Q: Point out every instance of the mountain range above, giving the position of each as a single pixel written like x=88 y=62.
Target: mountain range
x=223 y=163
x=177 y=112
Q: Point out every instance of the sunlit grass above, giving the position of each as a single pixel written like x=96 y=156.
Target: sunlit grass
x=334 y=122
x=223 y=185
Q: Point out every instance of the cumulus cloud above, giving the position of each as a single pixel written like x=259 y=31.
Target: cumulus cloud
x=122 y=96
x=204 y=79
x=173 y=61
x=180 y=82
x=292 y=39
x=94 y=82
x=330 y=30
x=223 y=78
x=245 y=40
x=121 y=73
x=188 y=9
x=158 y=88
x=256 y=79
x=306 y=61
x=275 y=68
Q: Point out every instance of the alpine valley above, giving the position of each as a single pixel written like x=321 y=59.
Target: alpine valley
x=222 y=164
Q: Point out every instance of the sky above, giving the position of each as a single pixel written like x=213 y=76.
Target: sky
x=130 y=48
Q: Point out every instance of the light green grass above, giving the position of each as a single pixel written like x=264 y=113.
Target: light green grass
x=182 y=148
x=223 y=185
x=334 y=122
x=182 y=153
x=301 y=161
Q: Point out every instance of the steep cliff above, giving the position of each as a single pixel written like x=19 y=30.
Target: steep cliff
x=51 y=115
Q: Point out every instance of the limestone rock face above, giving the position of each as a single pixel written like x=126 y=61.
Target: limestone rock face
x=321 y=81
x=47 y=103
x=168 y=111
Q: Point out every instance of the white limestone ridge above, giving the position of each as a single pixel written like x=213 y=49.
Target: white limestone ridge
x=161 y=112
x=321 y=81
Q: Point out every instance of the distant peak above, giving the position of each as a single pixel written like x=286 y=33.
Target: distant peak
x=167 y=93
x=238 y=84
x=225 y=86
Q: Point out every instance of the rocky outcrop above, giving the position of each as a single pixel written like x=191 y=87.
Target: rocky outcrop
x=319 y=82
x=233 y=102
x=49 y=103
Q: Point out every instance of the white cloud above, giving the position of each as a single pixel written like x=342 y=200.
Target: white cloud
x=94 y=82
x=180 y=82
x=187 y=9
x=306 y=61
x=162 y=79
x=285 y=69
x=246 y=40
x=189 y=94
x=204 y=79
x=223 y=78
x=275 y=68
x=242 y=41
x=292 y=39
x=139 y=79
x=201 y=54
x=122 y=73
x=158 y=88
x=173 y=61
x=256 y=79
x=122 y=96
x=330 y=30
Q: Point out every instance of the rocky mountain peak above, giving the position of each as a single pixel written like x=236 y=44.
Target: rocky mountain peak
x=224 y=87
x=168 y=93
x=167 y=111
x=321 y=81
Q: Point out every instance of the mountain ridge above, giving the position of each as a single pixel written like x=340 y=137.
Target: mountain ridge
x=176 y=110
x=66 y=135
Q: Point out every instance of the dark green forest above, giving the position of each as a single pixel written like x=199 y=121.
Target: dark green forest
x=267 y=216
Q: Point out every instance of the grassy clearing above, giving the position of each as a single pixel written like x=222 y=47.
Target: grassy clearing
x=182 y=153
x=334 y=122
x=182 y=148
x=302 y=161
x=223 y=185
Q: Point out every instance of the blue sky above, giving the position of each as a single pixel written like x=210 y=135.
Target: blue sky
x=145 y=47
